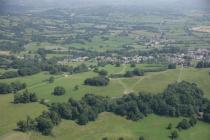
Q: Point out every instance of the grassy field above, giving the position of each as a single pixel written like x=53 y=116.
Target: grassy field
x=11 y=114
x=112 y=126
x=153 y=82
x=107 y=124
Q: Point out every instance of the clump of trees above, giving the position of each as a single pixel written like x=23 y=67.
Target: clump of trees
x=172 y=66
x=174 y=135
x=58 y=91
x=179 y=99
x=206 y=115
x=25 y=97
x=12 y=87
x=185 y=124
x=97 y=81
x=203 y=64
x=132 y=65
x=103 y=72
x=51 y=79
x=44 y=123
x=37 y=64
x=9 y=74
x=135 y=72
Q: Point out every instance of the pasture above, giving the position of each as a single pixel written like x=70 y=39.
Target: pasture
x=111 y=126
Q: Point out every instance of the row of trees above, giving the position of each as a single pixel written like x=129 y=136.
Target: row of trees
x=179 y=99
x=12 y=87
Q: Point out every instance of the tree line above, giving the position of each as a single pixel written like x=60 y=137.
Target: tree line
x=12 y=87
x=33 y=66
x=203 y=64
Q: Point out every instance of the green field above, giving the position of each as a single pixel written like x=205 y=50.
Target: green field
x=107 y=124
x=153 y=82
x=112 y=126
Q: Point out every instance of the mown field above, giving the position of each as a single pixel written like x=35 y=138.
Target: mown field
x=109 y=125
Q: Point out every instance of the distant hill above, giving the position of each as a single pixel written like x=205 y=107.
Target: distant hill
x=16 y=5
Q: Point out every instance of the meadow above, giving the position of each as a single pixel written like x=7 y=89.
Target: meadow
x=107 y=125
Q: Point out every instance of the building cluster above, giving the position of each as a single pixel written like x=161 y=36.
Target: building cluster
x=124 y=60
x=190 y=54
x=68 y=60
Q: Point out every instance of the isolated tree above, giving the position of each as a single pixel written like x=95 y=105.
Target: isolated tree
x=174 y=135
x=171 y=66
x=76 y=87
x=103 y=72
x=133 y=65
x=104 y=138
x=120 y=138
x=184 y=124
x=117 y=64
x=169 y=126
x=51 y=79
x=58 y=91
x=141 y=138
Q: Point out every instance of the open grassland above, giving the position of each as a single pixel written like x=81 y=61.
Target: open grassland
x=152 y=127
x=112 y=43
x=111 y=126
x=154 y=82
x=12 y=113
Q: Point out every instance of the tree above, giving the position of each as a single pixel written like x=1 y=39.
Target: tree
x=27 y=125
x=44 y=125
x=169 y=126
x=25 y=97
x=117 y=64
x=193 y=121
x=174 y=135
x=141 y=138
x=129 y=74
x=83 y=119
x=58 y=91
x=51 y=79
x=206 y=117
x=103 y=72
x=120 y=138
x=133 y=65
x=9 y=74
x=104 y=138
x=138 y=72
x=97 y=81
x=184 y=124
x=76 y=87
x=171 y=66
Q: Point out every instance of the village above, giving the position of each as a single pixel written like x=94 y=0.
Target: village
x=186 y=58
